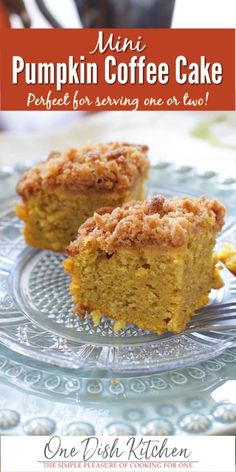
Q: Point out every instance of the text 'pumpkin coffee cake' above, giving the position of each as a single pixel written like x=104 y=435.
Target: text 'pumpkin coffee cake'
x=149 y=263
x=62 y=192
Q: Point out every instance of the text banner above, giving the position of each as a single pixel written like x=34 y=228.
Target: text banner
x=198 y=454
x=91 y=69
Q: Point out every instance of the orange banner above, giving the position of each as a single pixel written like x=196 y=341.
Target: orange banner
x=90 y=69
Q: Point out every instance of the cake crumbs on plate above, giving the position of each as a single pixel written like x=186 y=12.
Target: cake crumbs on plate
x=227 y=255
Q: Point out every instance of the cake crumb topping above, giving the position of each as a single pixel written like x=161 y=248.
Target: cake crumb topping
x=112 y=167
x=160 y=221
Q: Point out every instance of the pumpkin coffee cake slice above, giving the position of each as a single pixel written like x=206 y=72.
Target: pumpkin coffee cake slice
x=148 y=263
x=62 y=192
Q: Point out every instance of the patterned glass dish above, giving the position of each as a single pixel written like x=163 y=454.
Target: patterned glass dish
x=194 y=400
x=36 y=315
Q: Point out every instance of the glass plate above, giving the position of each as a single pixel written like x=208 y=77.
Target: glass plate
x=36 y=316
x=194 y=400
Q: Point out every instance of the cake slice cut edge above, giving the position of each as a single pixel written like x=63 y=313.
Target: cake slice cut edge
x=147 y=263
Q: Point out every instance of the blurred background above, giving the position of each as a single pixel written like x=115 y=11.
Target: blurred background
x=187 y=13
x=104 y=13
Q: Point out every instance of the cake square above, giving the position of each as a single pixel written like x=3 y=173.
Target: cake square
x=148 y=263
x=62 y=192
